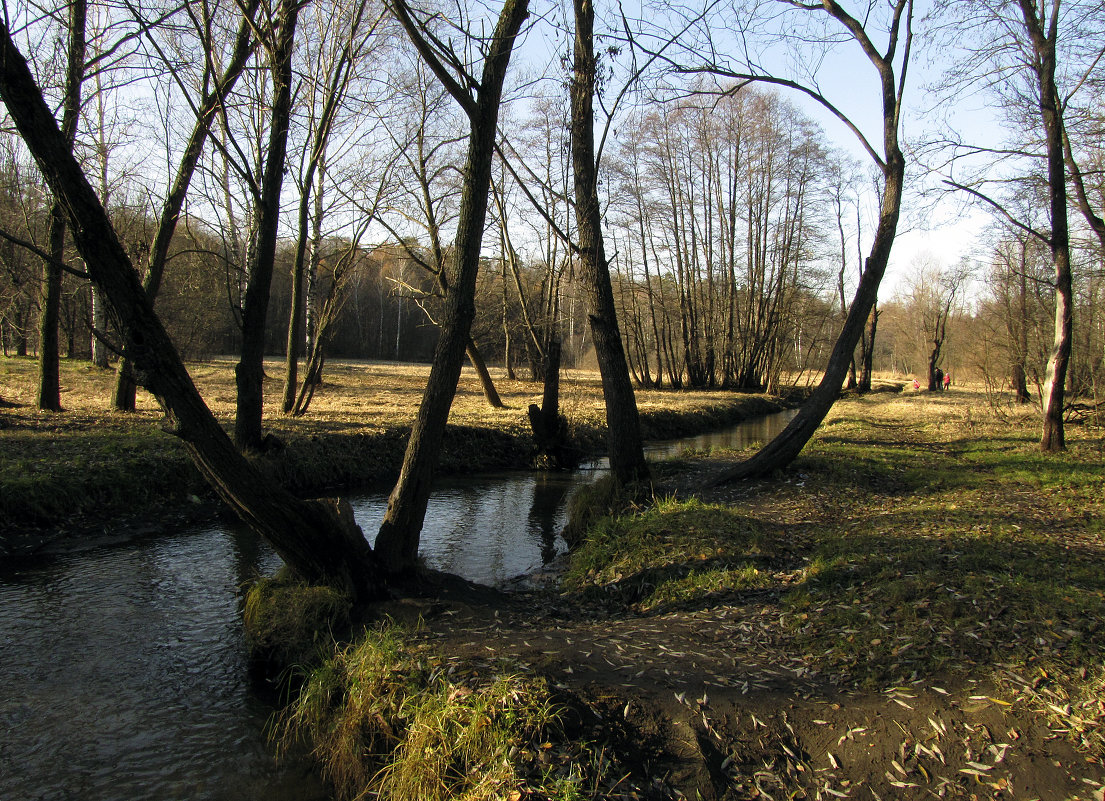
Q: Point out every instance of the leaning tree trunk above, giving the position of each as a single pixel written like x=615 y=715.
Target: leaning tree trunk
x=782 y=450
x=490 y=394
x=397 y=541
x=627 y=458
x=318 y=540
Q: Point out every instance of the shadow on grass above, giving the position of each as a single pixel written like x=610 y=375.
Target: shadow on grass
x=914 y=598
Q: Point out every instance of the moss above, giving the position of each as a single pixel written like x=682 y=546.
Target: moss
x=289 y=623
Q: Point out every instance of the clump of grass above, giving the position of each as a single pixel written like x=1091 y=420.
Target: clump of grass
x=699 y=584
x=674 y=551
x=391 y=721
x=290 y=623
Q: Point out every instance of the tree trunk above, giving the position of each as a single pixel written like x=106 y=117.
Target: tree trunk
x=782 y=450
x=317 y=539
x=397 y=541
x=49 y=380
x=627 y=458
x=869 y=351
x=99 y=329
x=550 y=430
x=1043 y=44
x=250 y=371
x=486 y=384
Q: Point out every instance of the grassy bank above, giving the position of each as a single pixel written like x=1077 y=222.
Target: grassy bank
x=921 y=536
x=914 y=609
x=86 y=467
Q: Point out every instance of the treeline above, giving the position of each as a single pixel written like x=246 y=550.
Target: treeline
x=718 y=213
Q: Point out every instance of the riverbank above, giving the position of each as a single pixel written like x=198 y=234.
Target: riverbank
x=914 y=609
x=87 y=475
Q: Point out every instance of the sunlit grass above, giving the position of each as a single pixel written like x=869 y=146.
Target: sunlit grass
x=914 y=538
x=390 y=719
x=88 y=462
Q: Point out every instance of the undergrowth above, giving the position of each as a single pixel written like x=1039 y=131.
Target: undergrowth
x=393 y=720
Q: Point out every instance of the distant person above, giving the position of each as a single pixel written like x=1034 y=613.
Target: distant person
x=938 y=375
x=916 y=385
x=947 y=379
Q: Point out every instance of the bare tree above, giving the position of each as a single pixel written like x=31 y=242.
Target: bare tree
x=216 y=86
x=932 y=291
x=397 y=541
x=888 y=51
x=319 y=541
x=1033 y=58
x=432 y=189
x=625 y=446
x=344 y=38
x=49 y=387
x=249 y=374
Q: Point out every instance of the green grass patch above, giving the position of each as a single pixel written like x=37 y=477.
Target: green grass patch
x=389 y=719
x=910 y=539
x=673 y=551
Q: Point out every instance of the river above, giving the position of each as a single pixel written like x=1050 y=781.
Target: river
x=123 y=673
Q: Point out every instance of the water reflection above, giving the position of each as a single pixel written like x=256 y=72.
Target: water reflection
x=488 y=527
x=124 y=670
x=492 y=527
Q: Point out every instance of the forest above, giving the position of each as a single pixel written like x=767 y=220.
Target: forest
x=671 y=199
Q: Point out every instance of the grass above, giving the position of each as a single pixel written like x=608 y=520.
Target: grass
x=916 y=537
x=86 y=465
x=671 y=552
x=387 y=718
x=289 y=623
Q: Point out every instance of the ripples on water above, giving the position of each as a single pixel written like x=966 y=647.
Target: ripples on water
x=123 y=671
x=124 y=677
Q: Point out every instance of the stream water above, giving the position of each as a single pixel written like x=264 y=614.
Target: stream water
x=123 y=672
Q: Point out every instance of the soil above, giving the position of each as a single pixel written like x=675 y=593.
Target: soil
x=706 y=700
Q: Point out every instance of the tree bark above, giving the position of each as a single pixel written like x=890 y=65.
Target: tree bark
x=317 y=539
x=397 y=541
x=1053 y=438
x=490 y=394
x=869 y=350
x=99 y=329
x=627 y=458
x=49 y=379
x=249 y=373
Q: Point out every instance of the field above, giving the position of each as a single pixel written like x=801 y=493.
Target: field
x=86 y=468
x=914 y=609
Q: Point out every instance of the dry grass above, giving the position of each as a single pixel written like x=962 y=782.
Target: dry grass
x=86 y=465
x=355 y=396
